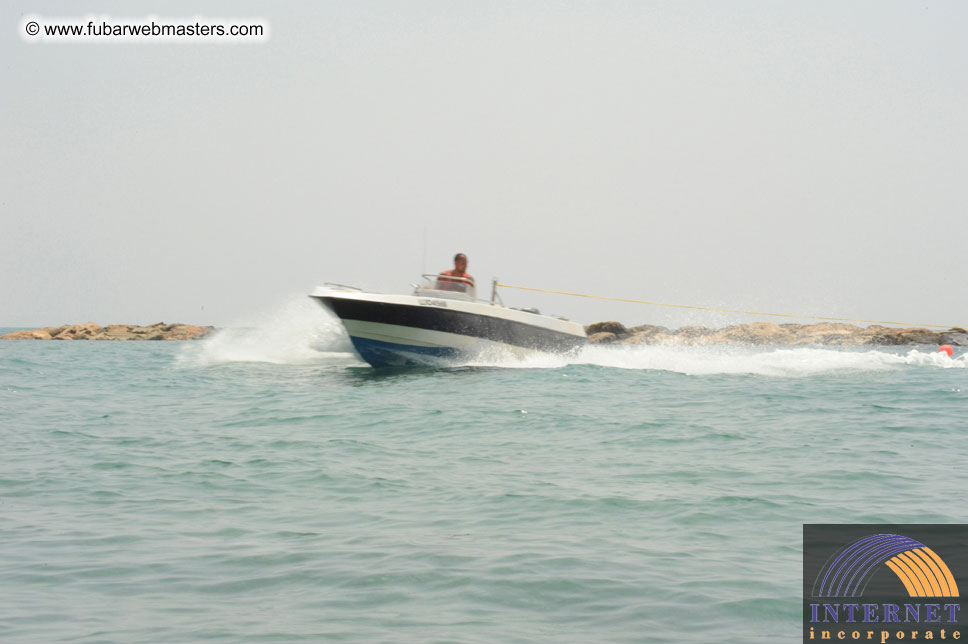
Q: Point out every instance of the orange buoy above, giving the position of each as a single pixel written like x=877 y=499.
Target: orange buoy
x=946 y=348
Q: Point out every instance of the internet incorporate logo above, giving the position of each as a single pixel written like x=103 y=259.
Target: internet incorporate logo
x=919 y=568
x=909 y=590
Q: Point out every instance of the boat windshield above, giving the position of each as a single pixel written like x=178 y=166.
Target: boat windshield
x=449 y=286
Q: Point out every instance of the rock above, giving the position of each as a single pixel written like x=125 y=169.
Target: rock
x=606 y=327
x=660 y=338
x=835 y=333
x=187 y=332
x=770 y=333
x=35 y=334
x=87 y=331
x=94 y=331
x=956 y=336
x=118 y=332
x=647 y=334
x=918 y=336
x=756 y=333
x=693 y=332
x=647 y=330
x=905 y=336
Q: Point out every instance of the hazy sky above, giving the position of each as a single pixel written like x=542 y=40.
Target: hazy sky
x=805 y=157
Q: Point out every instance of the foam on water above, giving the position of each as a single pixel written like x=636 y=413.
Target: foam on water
x=299 y=331
x=711 y=360
x=801 y=361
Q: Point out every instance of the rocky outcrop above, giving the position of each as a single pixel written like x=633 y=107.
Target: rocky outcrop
x=94 y=331
x=615 y=328
x=828 y=333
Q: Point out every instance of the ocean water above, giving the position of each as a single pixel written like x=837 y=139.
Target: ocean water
x=263 y=485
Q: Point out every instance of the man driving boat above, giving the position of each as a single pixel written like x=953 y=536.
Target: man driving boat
x=464 y=282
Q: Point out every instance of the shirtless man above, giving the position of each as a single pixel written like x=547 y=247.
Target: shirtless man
x=459 y=270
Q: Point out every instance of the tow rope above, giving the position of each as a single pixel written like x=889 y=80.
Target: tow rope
x=712 y=308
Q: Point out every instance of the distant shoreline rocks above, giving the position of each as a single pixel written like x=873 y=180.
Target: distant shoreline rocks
x=827 y=333
x=766 y=333
x=94 y=331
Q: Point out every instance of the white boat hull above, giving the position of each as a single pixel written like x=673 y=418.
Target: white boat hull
x=393 y=330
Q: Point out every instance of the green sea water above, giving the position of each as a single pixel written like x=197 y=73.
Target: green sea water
x=263 y=485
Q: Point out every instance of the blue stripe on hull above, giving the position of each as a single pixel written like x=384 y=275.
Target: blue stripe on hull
x=391 y=354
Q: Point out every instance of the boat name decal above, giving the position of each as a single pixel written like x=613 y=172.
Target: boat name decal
x=426 y=301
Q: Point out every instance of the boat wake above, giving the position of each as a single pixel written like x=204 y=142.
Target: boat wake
x=758 y=360
x=298 y=332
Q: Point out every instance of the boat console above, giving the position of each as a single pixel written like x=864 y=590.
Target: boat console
x=445 y=286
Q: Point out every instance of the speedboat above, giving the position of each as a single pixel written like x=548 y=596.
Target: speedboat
x=442 y=321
